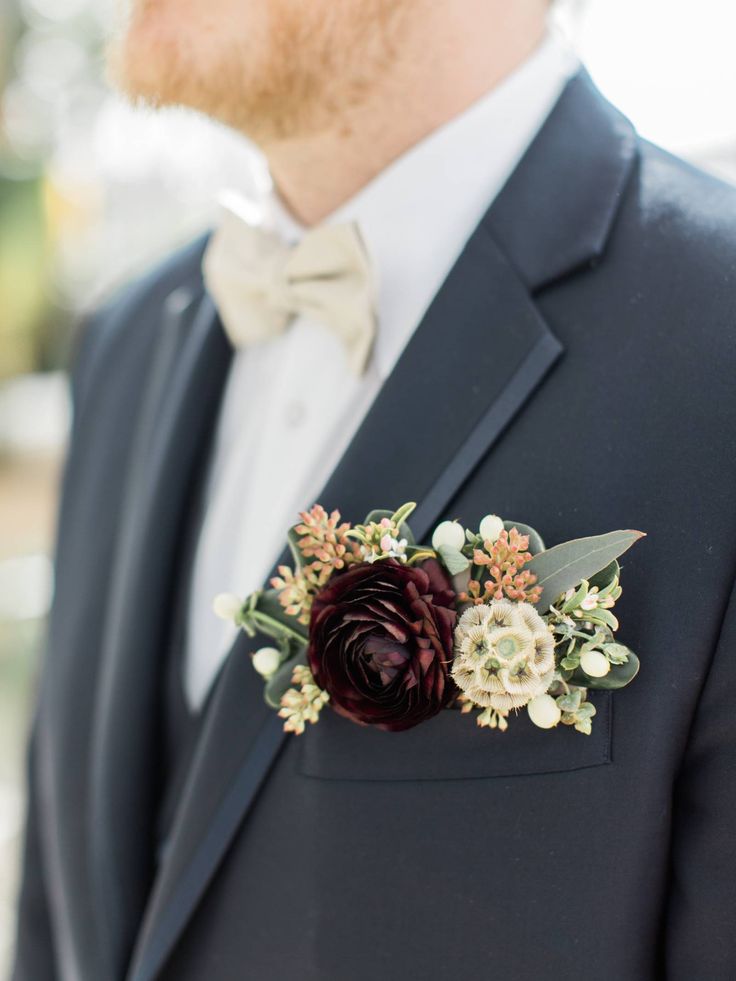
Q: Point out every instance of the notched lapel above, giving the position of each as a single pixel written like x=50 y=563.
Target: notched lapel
x=478 y=354
x=477 y=357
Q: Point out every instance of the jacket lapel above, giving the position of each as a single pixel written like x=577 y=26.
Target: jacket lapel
x=181 y=399
x=476 y=358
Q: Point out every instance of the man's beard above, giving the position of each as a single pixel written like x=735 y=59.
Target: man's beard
x=294 y=70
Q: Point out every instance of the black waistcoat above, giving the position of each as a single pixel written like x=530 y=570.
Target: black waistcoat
x=179 y=725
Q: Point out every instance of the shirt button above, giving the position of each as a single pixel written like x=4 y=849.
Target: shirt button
x=294 y=414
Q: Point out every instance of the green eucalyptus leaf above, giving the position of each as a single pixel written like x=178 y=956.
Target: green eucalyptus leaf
x=605 y=577
x=565 y=566
x=453 y=559
x=536 y=544
x=618 y=677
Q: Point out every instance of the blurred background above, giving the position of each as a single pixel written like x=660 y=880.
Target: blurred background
x=92 y=190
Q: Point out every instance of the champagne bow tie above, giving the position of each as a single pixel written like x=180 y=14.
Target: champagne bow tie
x=260 y=283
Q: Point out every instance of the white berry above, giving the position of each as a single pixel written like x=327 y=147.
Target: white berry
x=595 y=664
x=227 y=606
x=450 y=534
x=266 y=661
x=490 y=528
x=544 y=711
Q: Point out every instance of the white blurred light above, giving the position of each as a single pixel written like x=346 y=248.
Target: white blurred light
x=47 y=64
x=668 y=64
x=34 y=413
x=27 y=120
x=26 y=587
x=11 y=815
x=185 y=150
x=54 y=10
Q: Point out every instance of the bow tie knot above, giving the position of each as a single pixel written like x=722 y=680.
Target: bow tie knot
x=260 y=283
x=271 y=287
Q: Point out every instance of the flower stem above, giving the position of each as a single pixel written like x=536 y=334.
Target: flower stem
x=269 y=625
x=420 y=556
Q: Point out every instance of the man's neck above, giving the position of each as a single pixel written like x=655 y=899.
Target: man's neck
x=427 y=87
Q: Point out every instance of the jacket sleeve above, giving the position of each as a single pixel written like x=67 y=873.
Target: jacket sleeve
x=34 y=947
x=700 y=929
x=34 y=951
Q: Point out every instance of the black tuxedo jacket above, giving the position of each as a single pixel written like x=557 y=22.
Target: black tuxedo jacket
x=576 y=371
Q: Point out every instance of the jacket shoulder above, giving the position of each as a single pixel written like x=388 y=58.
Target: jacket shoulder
x=685 y=209
x=142 y=295
x=124 y=326
x=671 y=260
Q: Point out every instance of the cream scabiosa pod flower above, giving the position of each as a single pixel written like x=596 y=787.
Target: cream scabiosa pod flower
x=504 y=655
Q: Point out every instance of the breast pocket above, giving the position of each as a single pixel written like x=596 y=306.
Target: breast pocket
x=451 y=746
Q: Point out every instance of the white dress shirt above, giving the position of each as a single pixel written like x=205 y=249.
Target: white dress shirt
x=291 y=407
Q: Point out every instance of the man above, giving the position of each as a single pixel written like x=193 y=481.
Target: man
x=551 y=339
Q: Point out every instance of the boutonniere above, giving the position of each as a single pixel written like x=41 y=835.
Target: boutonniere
x=388 y=632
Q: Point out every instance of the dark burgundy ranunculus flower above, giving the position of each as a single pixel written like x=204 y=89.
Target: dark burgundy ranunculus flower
x=381 y=643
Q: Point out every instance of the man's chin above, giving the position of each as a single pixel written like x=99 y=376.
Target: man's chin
x=264 y=92
x=162 y=79
x=142 y=70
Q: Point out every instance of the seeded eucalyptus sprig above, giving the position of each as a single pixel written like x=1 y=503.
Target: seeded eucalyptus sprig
x=572 y=702
x=583 y=626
